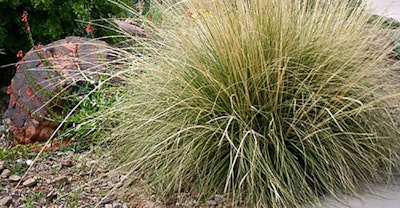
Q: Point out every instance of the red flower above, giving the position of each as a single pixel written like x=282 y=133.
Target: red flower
x=24 y=17
x=20 y=54
x=28 y=27
x=9 y=90
x=89 y=28
x=17 y=64
x=13 y=100
x=29 y=91
x=151 y=17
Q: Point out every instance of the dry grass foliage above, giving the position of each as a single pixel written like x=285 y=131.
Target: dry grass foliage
x=266 y=101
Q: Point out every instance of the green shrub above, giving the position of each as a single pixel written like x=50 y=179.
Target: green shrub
x=82 y=118
x=266 y=101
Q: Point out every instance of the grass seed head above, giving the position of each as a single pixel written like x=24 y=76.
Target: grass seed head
x=267 y=101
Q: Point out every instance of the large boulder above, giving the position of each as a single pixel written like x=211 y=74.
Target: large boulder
x=43 y=76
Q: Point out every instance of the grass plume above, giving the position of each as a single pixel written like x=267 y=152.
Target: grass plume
x=267 y=101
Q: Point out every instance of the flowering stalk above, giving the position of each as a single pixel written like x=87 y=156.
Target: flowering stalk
x=89 y=28
x=24 y=18
x=20 y=54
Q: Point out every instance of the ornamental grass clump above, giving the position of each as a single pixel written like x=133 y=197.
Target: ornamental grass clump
x=270 y=102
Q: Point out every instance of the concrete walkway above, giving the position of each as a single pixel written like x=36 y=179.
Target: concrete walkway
x=390 y=8
x=384 y=196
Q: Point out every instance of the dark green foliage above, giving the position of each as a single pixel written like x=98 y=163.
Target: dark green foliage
x=84 y=123
x=49 y=20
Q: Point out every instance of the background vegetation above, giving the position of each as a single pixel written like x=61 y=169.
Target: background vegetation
x=49 y=20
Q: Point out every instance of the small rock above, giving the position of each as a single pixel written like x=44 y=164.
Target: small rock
x=14 y=178
x=113 y=174
x=92 y=162
x=194 y=193
x=56 y=166
x=104 y=185
x=15 y=194
x=108 y=200
x=149 y=204
x=2 y=128
x=67 y=163
x=61 y=154
x=47 y=181
x=117 y=205
x=102 y=175
x=153 y=198
x=171 y=201
x=219 y=198
x=6 y=201
x=6 y=173
x=62 y=180
x=212 y=203
x=190 y=203
x=30 y=182
x=29 y=162
x=80 y=166
x=6 y=121
x=110 y=184
x=88 y=189
x=2 y=165
x=50 y=196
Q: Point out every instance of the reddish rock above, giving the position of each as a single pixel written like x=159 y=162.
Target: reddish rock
x=2 y=164
x=67 y=163
x=6 y=201
x=42 y=74
x=29 y=182
x=6 y=173
x=14 y=178
x=61 y=180
x=131 y=29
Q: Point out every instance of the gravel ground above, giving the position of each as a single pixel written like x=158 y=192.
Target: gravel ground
x=61 y=178
x=76 y=179
x=66 y=179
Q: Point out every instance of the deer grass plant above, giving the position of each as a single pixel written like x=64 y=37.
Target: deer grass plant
x=270 y=102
